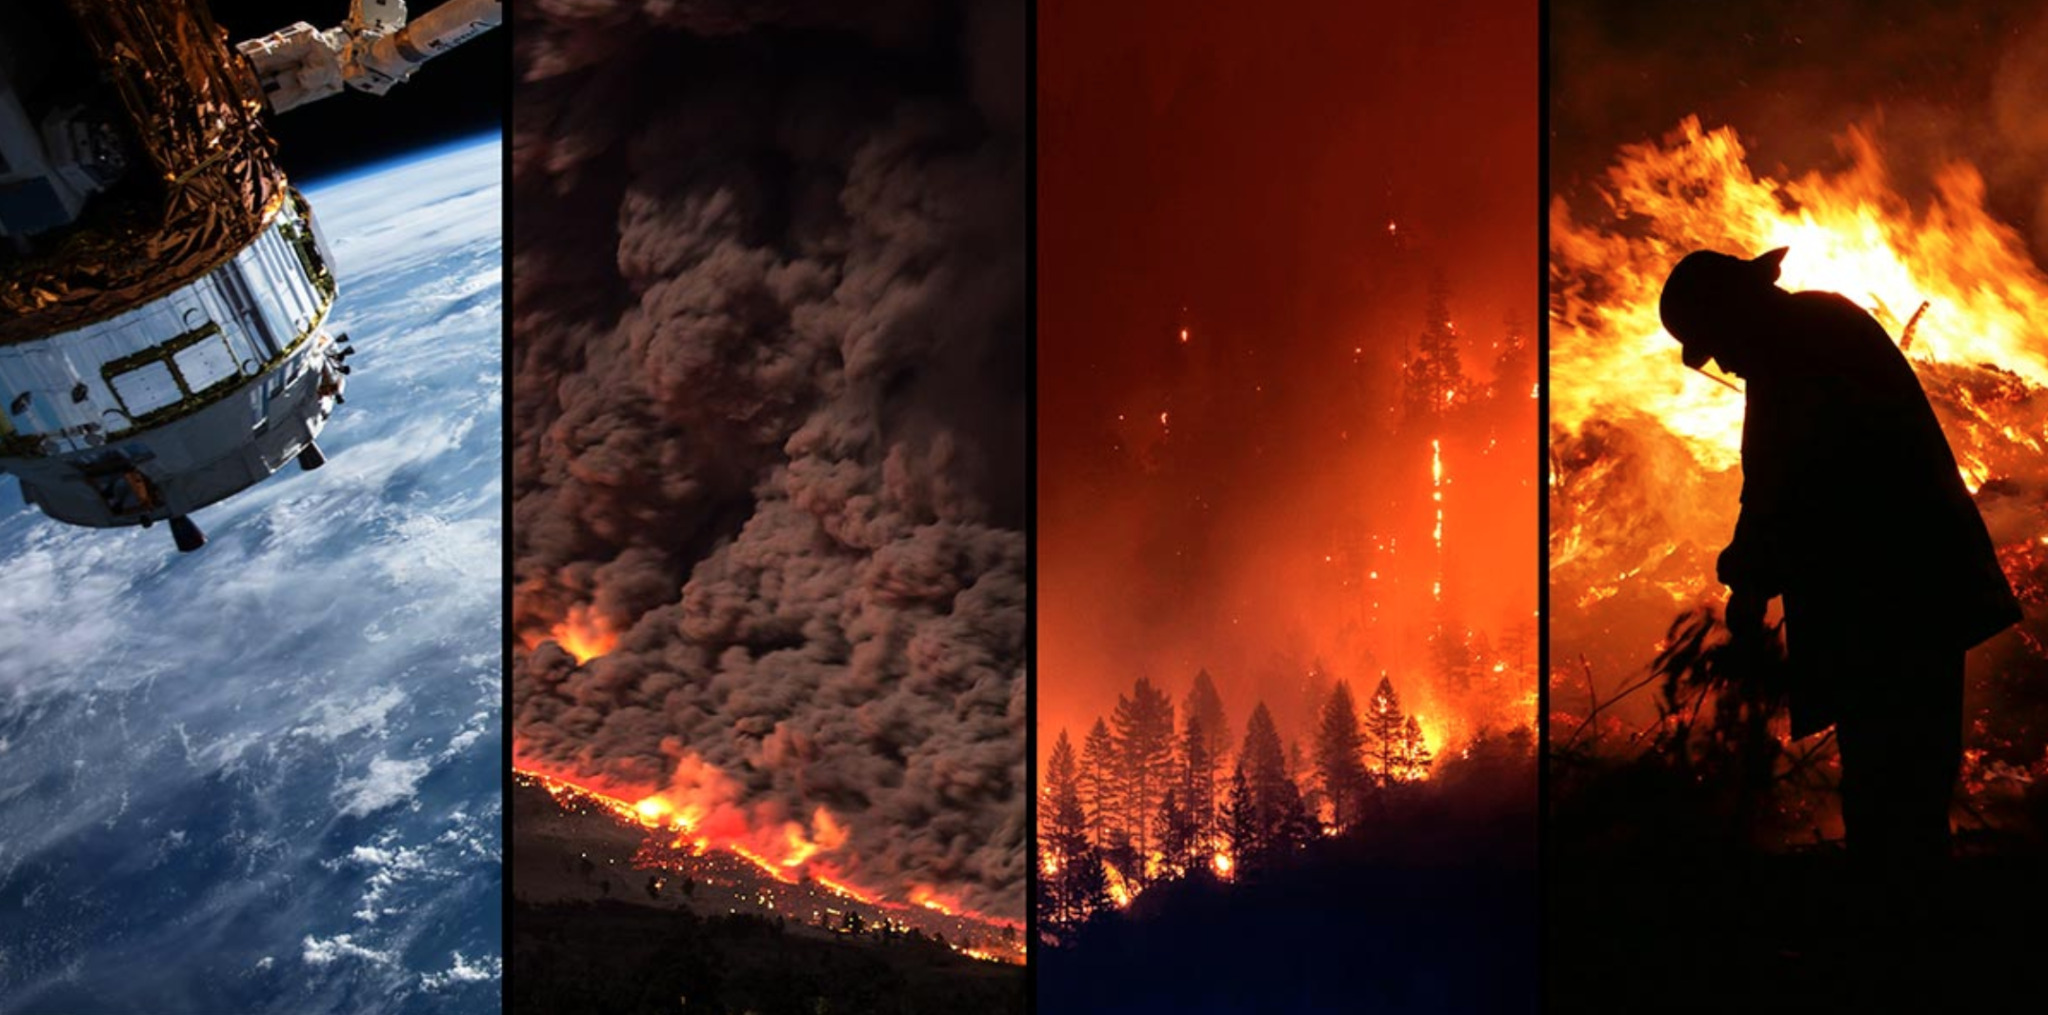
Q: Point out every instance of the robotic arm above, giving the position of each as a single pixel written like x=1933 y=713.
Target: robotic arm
x=371 y=51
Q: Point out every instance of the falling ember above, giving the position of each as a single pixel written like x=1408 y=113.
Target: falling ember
x=1183 y=336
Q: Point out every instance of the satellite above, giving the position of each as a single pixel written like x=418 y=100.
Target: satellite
x=164 y=291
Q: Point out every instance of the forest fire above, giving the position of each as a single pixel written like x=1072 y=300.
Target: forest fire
x=675 y=838
x=1644 y=461
x=923 y=895
x=781 y=854
x=1262 y=550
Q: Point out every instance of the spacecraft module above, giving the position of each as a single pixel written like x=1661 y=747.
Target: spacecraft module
x=164 y=291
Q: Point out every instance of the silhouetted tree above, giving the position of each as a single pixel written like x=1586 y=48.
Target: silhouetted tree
x=1415 y=757
x=1293 y=825
x=1063 y=839
x=1197 y=786
x=1274 y=795
x=1386 y=732
x=1099 y=789
x=1142 y=727
x=1340 y=757
x=1205 y=707
x=1451 y=656
x=1240 y=816
x=1089 y=885
x=1434 y=384
x=1176 y=838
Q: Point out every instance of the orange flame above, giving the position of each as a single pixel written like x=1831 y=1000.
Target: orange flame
x=584 y=635
x=924 y=895
x=1954 y=286
x=700 y=810
x=1119 y=889
x=1849 y=233
x=788 y=854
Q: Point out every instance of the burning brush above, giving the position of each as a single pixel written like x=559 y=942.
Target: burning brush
x=1719 y=754
x=1720 y=696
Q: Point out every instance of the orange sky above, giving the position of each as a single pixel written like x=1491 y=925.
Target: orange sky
x=1235 y=174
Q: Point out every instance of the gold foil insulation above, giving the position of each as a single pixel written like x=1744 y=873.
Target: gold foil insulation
x=207 y=182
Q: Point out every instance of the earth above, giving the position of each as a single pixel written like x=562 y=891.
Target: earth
x=267 y=776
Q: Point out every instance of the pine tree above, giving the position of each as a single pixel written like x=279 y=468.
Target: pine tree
x=1415 y=756
x=1241 y=820
x=1089 y=886
x=1143 y=733
x=1385 y=732
x=1451 y=656
x=1098 y=786
x=1198 y=783
x=1064 y=837
x=1265 y=766
x=1176 y=838
x=1205 y=706
x=1434 y=382
x=1340 y=757
x=1293 y=825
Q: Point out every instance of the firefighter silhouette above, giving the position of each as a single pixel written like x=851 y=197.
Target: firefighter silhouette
x=1853 y=511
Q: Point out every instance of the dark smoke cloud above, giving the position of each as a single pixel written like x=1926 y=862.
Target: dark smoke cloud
x=769 y=350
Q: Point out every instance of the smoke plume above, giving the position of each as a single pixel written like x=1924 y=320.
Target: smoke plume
x=769 y=412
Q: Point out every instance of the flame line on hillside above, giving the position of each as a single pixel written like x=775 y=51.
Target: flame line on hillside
x=659 y=820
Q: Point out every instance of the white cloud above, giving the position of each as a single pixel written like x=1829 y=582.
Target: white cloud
x=388 y=867
x=388 y=782
x=339 y=718
x=464 y=971
x=324 y=951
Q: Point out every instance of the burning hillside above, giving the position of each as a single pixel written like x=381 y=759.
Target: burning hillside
x=1644 y=460
x=674 y=859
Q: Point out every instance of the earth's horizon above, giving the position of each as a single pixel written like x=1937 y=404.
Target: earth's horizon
x=266 y=776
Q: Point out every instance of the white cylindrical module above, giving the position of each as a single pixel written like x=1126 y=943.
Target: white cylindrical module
x=171 y=405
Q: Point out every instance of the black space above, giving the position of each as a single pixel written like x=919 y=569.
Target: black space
x=455 y=96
